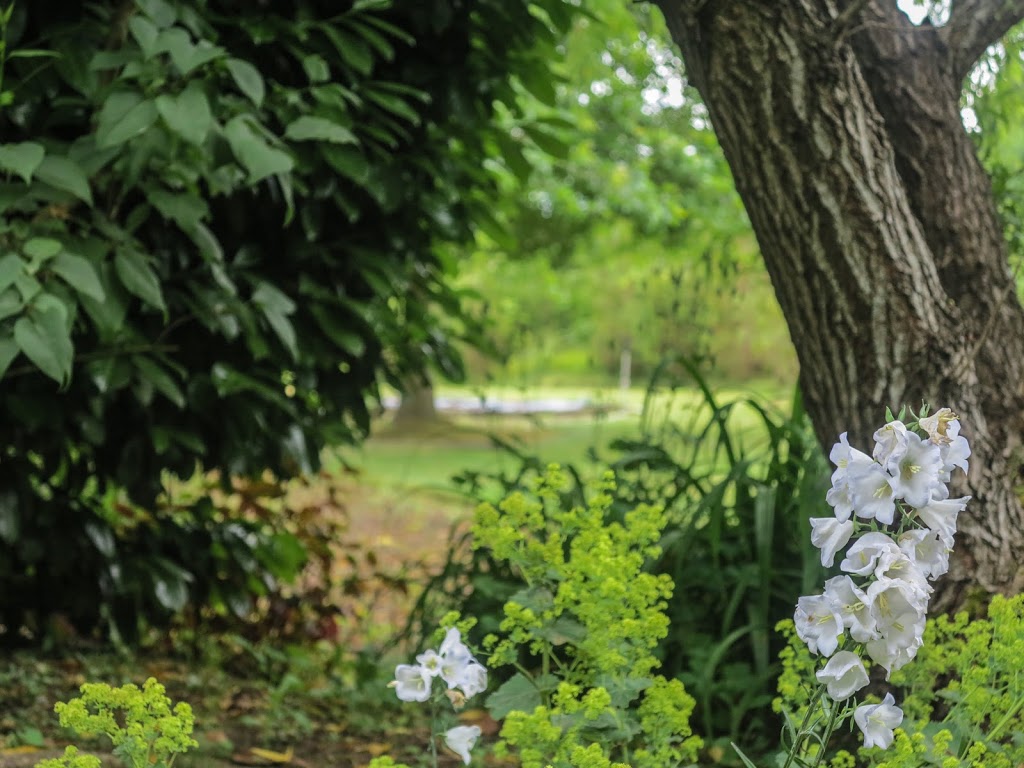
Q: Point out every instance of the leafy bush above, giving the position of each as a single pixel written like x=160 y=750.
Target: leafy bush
x=220 y=223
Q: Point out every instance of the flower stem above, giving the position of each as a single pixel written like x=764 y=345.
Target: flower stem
x=829 y=728
x=433 y=732
x=801 y=734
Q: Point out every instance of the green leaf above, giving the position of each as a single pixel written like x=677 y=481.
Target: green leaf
x=41 y=249
x=312 y=128
x=267 y=296
x=248 y=79
x=109 y=314
x=276 y=307
x=160 y=11
x=170 y=584
x=518 y=693
x=375 y=39
x=28 y=287
x=187 y=114
x=743 y=758
x=187 y=210
x=540 y=84
x=333 y=327
x=66 y=175
x=112 y=59
x=79 y=273
x=317 y=69
x=285 y=331
x=145 y=33
x=185 y=54
x=370 y=5
x=33 y=53
x=352 y=50
x=138 y=277
x=11 y=303
x=512 y=154
x=43 y=337
x=11 y=266
x=8 y=351
x=116 y=125
x=22 y=159
x=349 y=162
x=547 y=141
x=396 y=105
x=160 y=379
x=9 y=520
x=253 y=152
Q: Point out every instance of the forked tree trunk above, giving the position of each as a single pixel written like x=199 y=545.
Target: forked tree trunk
x=841 y=123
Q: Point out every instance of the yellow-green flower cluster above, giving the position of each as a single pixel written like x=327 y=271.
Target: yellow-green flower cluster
x=71 y=759
x=665 y=720
x=145 y=730
x=967 y=673
x=589 y=615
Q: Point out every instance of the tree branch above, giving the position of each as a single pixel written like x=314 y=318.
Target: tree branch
x=973 y=26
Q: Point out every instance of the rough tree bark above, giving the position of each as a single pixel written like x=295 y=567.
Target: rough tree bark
x=841 y=122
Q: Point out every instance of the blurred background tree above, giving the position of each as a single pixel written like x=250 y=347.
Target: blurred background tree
x=623 y=241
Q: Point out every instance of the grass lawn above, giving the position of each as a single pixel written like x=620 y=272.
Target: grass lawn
x=424 y=459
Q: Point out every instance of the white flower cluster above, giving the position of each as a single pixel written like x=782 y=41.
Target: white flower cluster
x=454 y=665
x=895 y=506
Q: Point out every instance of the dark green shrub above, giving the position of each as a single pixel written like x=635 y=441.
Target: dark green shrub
x=221 y=223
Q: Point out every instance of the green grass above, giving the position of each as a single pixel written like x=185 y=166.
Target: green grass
x=428 y=458
x=425 y=459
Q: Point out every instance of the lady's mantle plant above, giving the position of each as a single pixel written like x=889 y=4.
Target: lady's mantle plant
x=581 y=632
x=449 y=672
x=894 y=516
x=146 y=731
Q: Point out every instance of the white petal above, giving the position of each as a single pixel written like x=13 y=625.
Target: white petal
x=461 y=739
x=843 y=675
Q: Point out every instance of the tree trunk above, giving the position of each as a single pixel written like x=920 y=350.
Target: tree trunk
x=841 y=124
x=417 y=406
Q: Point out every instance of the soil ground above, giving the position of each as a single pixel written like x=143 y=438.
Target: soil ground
x=321 y=706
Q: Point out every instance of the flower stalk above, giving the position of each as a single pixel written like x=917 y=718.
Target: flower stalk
x=894 y=520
